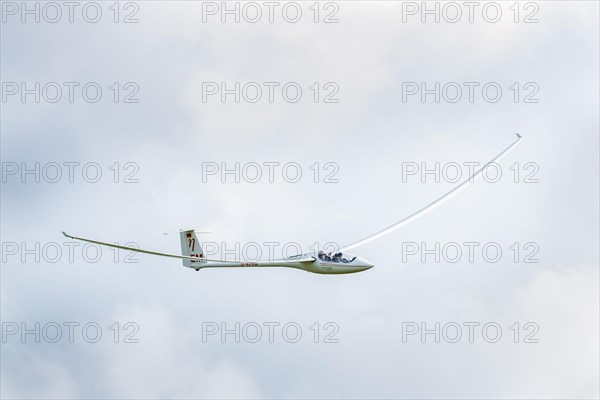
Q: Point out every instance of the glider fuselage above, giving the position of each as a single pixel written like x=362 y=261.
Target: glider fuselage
x=320 y=263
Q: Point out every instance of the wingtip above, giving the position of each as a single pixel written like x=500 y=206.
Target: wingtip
x=65 y=234
x=519 y=136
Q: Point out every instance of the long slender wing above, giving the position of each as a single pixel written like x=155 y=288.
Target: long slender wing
x=476 y=175
x=155 y=253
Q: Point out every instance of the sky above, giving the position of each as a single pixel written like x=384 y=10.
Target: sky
x=119 y=122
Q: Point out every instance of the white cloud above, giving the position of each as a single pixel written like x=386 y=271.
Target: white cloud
x=369 y=133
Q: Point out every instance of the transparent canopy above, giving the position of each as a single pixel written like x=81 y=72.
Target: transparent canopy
x=340 y=257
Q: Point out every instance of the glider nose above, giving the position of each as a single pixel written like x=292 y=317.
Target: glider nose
x=366 y=264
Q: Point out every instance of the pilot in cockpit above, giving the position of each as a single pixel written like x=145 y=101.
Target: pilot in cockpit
x=336 y=257
x=324 y=256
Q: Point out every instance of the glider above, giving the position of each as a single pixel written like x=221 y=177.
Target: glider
x=319 y=262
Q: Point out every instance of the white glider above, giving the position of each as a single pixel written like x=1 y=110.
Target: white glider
x=320 y=262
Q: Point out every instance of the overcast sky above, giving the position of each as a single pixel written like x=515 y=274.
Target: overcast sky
x=369 y=124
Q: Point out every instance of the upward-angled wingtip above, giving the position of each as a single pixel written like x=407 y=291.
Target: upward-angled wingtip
x=65 y=233
x=519 y=136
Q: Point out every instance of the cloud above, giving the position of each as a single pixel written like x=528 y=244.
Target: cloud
x=368 y=134
x=167 y=363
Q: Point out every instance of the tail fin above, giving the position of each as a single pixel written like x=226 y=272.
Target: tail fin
x=190 y=246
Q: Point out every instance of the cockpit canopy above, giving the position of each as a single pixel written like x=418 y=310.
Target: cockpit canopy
x=336 y=257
